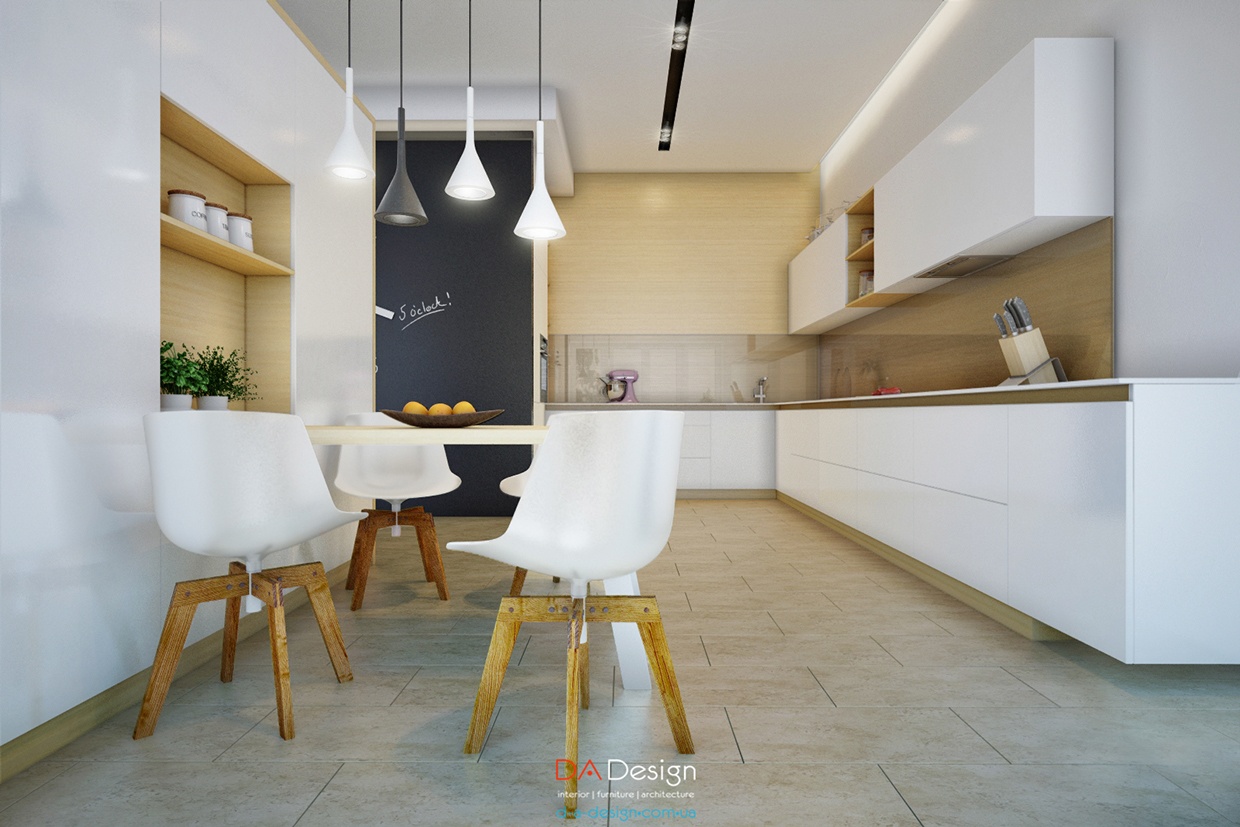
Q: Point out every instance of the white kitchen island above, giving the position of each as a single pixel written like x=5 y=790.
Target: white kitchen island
x=1104 y=509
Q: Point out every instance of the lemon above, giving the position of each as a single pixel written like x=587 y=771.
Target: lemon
x=463 y=407
x=415 y=408
x=439 y=409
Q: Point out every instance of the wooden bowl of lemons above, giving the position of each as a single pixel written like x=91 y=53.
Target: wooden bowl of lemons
x=441 y=415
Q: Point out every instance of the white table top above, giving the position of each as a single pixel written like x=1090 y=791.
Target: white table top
x=396 y=434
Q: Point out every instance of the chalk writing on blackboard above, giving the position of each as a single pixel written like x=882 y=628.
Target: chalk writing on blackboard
x=418 y=312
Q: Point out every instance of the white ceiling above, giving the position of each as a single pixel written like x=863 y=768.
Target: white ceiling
x=768 y=84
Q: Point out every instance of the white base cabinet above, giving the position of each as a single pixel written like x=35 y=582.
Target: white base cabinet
x=1110 y=520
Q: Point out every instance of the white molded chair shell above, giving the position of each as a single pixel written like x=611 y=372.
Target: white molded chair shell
x=237 y=484
x=514 y=486
x=599 y=501
x=393 y=472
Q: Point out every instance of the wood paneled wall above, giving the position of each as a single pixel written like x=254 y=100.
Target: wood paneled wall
x=947 y=338
x=678 y=253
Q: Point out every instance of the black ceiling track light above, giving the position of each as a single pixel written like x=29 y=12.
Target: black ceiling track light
x=675 y=70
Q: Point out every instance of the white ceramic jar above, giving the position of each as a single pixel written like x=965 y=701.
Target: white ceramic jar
x=217 y=220
x=241 y=230
x=189 y=207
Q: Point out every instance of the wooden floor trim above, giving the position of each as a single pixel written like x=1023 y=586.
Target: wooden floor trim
x=725 y=494
x=33 y=746
x=996 y=610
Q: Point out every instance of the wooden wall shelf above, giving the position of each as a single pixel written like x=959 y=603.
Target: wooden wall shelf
x=880 y=299
x=201 y=245
x=863 y=253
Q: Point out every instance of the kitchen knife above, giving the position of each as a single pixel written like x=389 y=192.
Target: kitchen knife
x=1022 y=311
x=1011 y=321
x=1003 y=331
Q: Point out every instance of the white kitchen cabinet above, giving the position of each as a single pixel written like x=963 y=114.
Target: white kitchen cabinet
x=962 y=448
x=742 y=449
x=836 y=494
x=964 y=537
x=1029 y=157
x=885 y=442
x=818 y=283
x=837 y=436
x=797 y=433
x=1068 y=551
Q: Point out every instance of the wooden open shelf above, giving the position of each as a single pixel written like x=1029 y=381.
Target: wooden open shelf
x=202 y=245
x=863 y=253
x=880 y=299
x=213 y=293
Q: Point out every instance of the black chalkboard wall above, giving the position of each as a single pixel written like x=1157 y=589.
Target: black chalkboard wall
x=461 y=288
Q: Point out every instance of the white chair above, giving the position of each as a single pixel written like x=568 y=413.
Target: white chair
x=240 y=485
x=598 y=505
x=514 y=486
x=394 y=473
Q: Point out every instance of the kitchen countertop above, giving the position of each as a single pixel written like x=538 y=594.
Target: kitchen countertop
x=664 y=406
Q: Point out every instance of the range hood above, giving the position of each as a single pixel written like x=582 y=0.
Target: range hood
x=960 y=266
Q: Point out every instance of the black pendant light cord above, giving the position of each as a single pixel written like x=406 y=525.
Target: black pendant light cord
x=349 y=29
x=402 y=54
x=470 y=49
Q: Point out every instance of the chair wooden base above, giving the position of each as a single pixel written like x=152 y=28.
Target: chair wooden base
x=518 y=581
x=513 y=611
x=364 y=549
x=268 y=586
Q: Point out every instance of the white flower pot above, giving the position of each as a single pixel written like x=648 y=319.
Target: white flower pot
x=213 y=403
x=175 y=401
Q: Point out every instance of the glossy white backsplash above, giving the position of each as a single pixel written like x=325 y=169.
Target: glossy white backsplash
x=685 y=368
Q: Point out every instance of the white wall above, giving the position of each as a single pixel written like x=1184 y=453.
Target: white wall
x=85 y=575
x=1177 y=172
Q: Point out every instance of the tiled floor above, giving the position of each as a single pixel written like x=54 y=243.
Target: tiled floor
x=823 y=687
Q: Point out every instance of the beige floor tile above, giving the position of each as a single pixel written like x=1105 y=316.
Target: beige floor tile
x=1218 y=787
x=763 y=653
x=1092 y=796
x=535 y=734
x=390 y=650
x=166 y=794
x=183 y=733
x=1103 y=736
x=944 y=650
x=748 y=623
x=926 y=686
x=397 y=795
x=795 y=621
x=738 y=686
x=766 y=795
x=311 y=686
x=1072 y=685
x=967 y=623
x=391 y=733
x=457 y=686
x=830 y=735
x=26 y=782
x=757 y=601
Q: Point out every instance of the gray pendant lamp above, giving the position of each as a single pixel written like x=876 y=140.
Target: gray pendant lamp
x=348 y=158
x=469 y=180
x=400 y=206
x=539 y=220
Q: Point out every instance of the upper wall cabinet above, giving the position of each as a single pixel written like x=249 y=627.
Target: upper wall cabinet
x=1029 y=157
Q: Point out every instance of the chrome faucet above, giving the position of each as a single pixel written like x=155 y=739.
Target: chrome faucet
x=759 y=393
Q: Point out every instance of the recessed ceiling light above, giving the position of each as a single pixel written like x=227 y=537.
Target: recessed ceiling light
x=675 y=70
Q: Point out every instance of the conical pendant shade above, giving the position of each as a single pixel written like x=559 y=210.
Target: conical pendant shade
x=469 y=180
x=349 y=159
x=539 y=220
x=400 y=205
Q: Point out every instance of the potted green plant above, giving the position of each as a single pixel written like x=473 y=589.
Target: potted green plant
x=179 y=378
x=225 y=376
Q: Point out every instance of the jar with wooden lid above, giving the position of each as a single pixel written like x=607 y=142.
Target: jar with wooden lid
x=189 y=207
x=241 y=230
x=217 y=220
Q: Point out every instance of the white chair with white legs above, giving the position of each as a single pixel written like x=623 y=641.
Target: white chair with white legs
x=240 y=485
x=598 y=504
x=394 y=473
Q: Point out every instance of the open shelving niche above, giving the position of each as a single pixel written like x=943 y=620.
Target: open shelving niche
x=216 y=293
x=861 y=256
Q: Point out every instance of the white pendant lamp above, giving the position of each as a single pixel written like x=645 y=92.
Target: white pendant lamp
x=349 y=159
x=400 y=206
x=539 y=220
x=469 y=180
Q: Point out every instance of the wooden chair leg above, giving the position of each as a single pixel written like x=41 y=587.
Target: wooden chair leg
x=518 y=582
x=428 y=544
x=655 y=641
x=359 y=569
x=171 y=642
x=329 y=626
x=503 y=639
x=572 y=704
x=414 y=517
x=366 y=533
x=583 y=662
x=232 y=621
x=270 y=589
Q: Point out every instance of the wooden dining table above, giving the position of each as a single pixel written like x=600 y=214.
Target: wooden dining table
x=630 y=651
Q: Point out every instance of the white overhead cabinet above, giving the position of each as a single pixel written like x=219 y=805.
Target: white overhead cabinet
x=1028 y=158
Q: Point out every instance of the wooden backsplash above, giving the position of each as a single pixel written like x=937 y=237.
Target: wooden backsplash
x=947 y=338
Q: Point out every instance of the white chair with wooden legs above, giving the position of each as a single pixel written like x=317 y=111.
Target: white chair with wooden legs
x=240 y=485
x=598 y=505
x=394 y=473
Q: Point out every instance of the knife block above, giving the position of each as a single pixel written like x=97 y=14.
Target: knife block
x=1028 y=360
